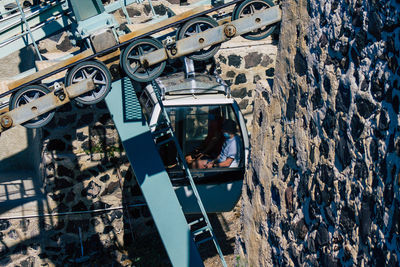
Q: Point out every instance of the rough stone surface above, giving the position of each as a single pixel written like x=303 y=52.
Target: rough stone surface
x=241 y=64
x=322 y=188
x=81 y=157
x=78 y=178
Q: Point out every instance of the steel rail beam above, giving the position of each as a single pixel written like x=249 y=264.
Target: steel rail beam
x=13 y=25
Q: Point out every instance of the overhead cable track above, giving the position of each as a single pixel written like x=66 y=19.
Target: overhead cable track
x=101 y=53
x=182 y=47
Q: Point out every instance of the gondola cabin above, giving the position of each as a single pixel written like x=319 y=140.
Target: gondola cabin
x=200 y=108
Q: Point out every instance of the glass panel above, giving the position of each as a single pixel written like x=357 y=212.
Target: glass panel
x=146 y=104
x=199 y=130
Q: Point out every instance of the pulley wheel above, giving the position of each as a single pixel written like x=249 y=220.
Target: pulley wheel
x=95 y=70
x=130 y=60
x=27 y=95
x=248 y=8
x=198 y=25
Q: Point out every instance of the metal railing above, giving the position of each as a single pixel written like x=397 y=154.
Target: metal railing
x=19 y=18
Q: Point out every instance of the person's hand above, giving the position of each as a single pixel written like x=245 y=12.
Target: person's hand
x=189 y=159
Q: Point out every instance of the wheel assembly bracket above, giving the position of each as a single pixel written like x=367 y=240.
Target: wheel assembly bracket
x=215 y=35
x=59 y=92
x=58 y=97
x=157 y=56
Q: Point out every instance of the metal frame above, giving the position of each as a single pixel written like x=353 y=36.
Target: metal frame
x=28 y=29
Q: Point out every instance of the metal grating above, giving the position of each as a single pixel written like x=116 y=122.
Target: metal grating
x=131 y=105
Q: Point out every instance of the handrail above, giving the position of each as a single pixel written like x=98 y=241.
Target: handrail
x=25 y=32
x=28 y=16
x=74 y=212
x=28 y=29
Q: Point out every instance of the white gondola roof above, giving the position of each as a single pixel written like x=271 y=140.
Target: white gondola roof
x=197 y=84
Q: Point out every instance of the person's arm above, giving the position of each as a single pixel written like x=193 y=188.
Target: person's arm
x=231 y=154
x=225 y=163
x=217 y=164
x=212 y=163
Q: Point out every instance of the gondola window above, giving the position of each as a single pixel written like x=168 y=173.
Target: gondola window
x=199 y=129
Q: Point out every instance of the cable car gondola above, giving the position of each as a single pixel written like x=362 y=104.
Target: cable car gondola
x=197 y=107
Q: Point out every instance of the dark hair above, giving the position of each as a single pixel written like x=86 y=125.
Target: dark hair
x=229 y=126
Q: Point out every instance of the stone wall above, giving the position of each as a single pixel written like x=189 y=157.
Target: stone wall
x=241 y=63
x=84 y=168
x=323 y=185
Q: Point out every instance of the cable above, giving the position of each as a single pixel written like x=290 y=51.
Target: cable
x=72 y=212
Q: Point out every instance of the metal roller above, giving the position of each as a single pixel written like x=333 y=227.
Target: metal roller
x=130 y=60
x=93 y=70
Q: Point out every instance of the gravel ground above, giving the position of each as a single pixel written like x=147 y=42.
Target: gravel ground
x=226 y=226
x=149 y=250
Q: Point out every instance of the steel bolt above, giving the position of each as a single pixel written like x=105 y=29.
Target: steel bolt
x=6 y=121
x=61 y=97
x=201 y=40
x=230 y=31
x=174 y=51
